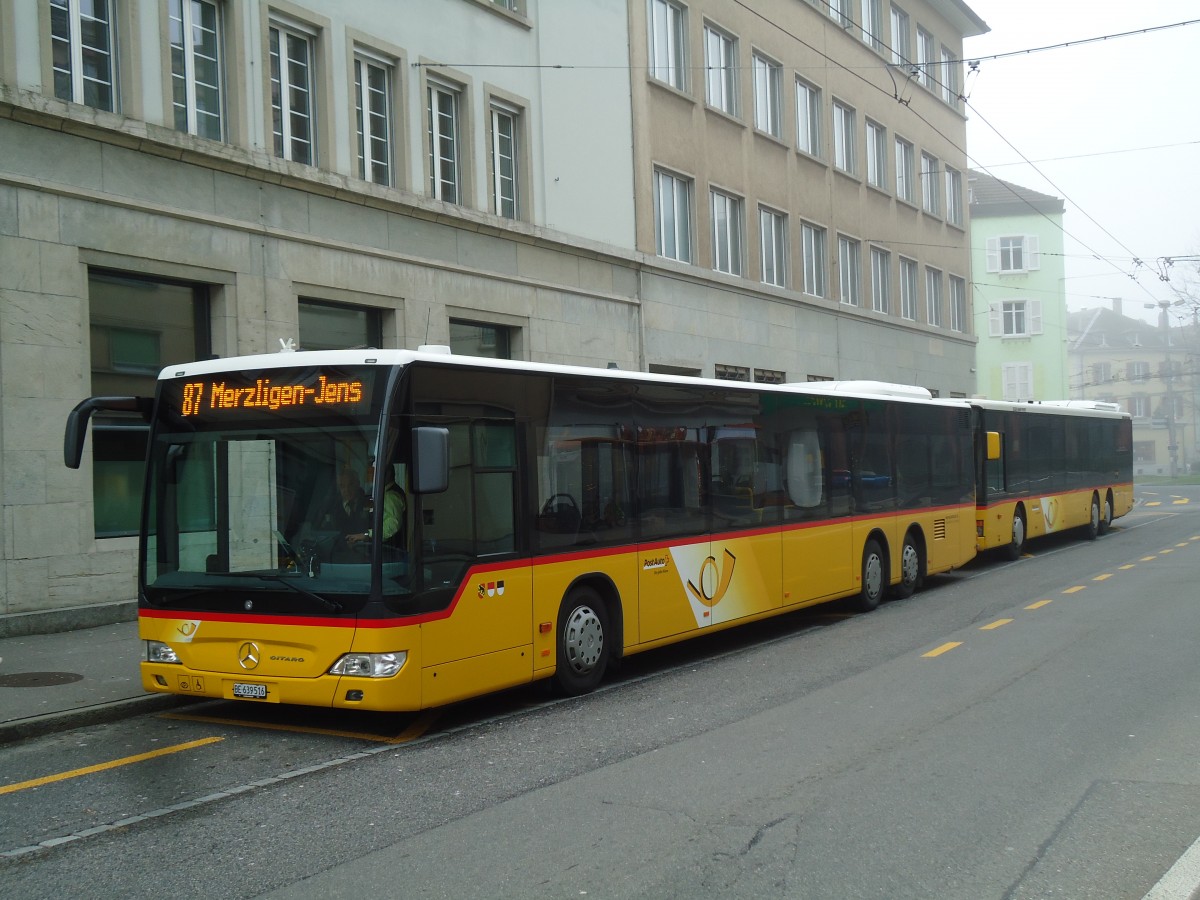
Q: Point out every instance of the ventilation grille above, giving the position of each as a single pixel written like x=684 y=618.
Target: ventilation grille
x=939 y=529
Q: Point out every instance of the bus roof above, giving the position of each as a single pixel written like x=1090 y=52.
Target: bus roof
x=439 y=356
x=1055 y=407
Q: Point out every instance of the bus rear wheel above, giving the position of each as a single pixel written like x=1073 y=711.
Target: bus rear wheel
x=1106 y=514
x=1092 y=528
x=582 y=642
x=873 y=581
x=911 y=565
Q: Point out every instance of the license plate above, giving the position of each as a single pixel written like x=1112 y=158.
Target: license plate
x=250 y=691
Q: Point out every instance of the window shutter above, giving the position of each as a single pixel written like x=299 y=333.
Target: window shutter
x=1035 y=316
x=993 y=254
x=995 y=320
x=1035 y=255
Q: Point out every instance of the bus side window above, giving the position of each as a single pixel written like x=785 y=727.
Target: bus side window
x=804 y=469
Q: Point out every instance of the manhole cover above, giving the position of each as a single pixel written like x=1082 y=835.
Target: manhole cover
x=38 y=679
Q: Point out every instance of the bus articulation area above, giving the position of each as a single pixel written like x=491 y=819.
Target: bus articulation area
x=396 y=530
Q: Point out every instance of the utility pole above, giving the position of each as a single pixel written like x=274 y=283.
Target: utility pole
x=1168 y=377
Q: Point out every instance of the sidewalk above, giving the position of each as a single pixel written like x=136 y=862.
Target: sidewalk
x=53 y=682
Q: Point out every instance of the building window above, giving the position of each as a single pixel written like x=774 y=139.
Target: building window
x=905 y=176
x=1013 y=254
x=808 y=118
x=844 y=139
x=812 y=241
x=949 y=77
x=335 y=326
x=772 y=227
x=667 y=43
x=672 y=216
x=82 y=41
x=881 y=279
x=901 y=37
x=1101 y=373
x=1138 y=370
x=480 y=339
x=292 y=111
x=373 y=119
x=1017 y=379
x=841 y=11
x=872 y=24
x=954 y=197
x=769 y=376
x=958 y=304
x=1015 y=318
x=445 y=164
x=926 y=58
x=731 y=373
x=505 y=184
x=720 y=61
x=931 y=195
x=196 y=47
x=908 y=289
x=849 y=269
x=768 y=88
x=727 y=232
x=137 y=327
x=933 y=296
x=876 y=155
x=1139 y=406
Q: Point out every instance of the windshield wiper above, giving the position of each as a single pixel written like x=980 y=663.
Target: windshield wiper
x=331 y=605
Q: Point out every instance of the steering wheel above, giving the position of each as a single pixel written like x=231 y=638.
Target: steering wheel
x=551 y=503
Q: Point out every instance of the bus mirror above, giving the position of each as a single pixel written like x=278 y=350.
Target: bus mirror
x=77 y=421
x=431 y=460
x=993 y=446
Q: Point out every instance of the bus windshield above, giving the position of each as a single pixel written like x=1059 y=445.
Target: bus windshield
x=259 y=485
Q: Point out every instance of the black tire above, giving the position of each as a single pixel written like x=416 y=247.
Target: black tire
x=912 y=566
x=1016 y=546
x=1092 y=529
x=874 y=577
x=583 y=642
x=1106 y=514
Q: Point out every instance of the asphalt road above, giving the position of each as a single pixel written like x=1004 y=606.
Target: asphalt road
x=1013 y=731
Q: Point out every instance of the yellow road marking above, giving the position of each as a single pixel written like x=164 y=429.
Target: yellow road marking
x=1148 y=559
x=1184 y=544
x=1126 y=567
x=101 y=767
x=1104 y=577
x=1167 y=550
x=411 y=733
x=1180 y=502
x=1039 y=604
x=999 y=623
x=1076 y=589
x=945 y=648
x=1154 y=503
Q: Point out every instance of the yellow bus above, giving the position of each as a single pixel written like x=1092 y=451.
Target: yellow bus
x=1051 y=466
x=395 y=530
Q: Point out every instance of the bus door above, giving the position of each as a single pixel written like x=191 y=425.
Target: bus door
x=469 y=548
x=742 y=572
x=818 y=530
x=678 y=578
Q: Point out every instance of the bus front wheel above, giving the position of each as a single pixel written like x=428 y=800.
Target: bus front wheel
x=1106 y=514
x=582 y=642
x=1016 y=546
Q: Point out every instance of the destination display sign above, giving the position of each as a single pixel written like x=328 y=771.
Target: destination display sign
x=293 y=393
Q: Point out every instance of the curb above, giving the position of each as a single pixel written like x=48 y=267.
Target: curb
x=100 y=713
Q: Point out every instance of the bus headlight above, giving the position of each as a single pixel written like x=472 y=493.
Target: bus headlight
x=370 y=665
x=158 y=652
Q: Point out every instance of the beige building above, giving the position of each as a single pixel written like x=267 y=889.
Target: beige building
x=774 y=193
x=1150 y=371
